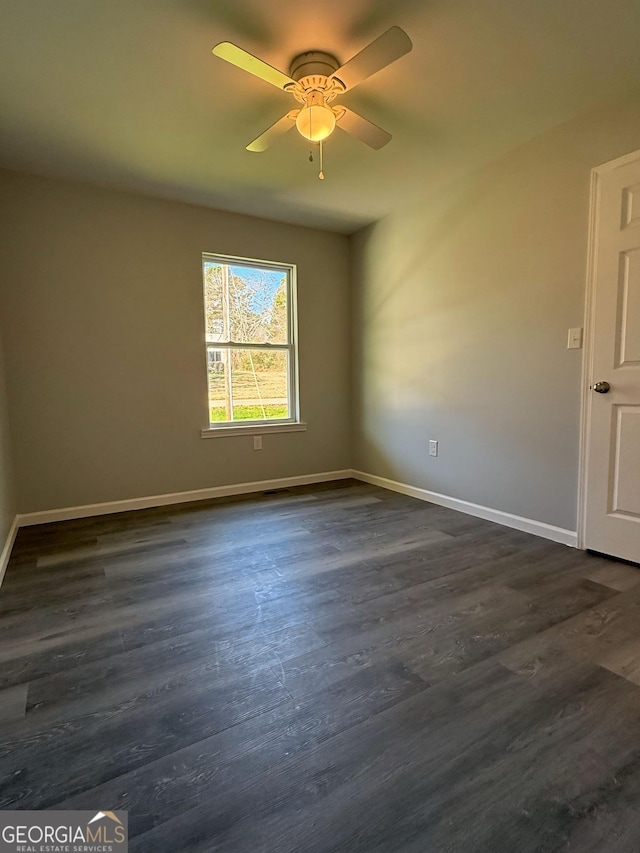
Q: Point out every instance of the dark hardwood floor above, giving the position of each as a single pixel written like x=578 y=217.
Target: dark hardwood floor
x=331 y=668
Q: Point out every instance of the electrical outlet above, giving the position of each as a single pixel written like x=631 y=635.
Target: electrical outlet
x=257 y=442
x=433 y=448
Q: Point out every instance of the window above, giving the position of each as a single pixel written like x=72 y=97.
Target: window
x=250 y=325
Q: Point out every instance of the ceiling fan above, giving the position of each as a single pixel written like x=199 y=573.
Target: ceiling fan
x=315 y=79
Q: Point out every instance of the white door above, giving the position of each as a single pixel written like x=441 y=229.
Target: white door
x=612 y=505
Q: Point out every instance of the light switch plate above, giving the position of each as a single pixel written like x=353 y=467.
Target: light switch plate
x=433 y=447
x=574 y=340
x=257 y=442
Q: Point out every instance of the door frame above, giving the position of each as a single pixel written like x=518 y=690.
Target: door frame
x=586 y=398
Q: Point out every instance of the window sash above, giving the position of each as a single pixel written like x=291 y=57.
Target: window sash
x=242 y=345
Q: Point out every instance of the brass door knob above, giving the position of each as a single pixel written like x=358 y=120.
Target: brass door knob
x=601 y=387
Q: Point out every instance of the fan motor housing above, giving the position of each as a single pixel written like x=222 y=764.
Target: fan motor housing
x=312 y=72
x=313 y=63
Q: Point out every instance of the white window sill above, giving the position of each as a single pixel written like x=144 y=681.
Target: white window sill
x=252 y=429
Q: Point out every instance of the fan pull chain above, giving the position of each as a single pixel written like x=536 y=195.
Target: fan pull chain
x=321 y=172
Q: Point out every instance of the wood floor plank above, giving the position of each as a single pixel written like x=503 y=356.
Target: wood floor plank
x=13 y=702
x=155 y=668
x=616 y=575
x=213 y=767
x=39 y=662
x=85 y=751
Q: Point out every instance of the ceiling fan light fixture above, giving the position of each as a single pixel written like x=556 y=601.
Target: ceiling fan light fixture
x=315 y=79
x=316 y=122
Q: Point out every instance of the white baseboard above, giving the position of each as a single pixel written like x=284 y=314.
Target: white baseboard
x=507 y=519
x=517 y=522
x=8 y=545
x=68 y=513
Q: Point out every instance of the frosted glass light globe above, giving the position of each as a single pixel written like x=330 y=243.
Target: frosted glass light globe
x=316 y=122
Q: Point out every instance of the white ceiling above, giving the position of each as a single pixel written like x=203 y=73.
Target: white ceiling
x=127 y=93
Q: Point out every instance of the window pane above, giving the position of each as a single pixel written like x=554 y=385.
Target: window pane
x=258 y=305
x=245 y=304
x=247 y=385
x=213 y=313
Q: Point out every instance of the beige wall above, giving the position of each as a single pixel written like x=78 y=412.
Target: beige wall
x=462 y=302
x=7 y=501
x=104 y=344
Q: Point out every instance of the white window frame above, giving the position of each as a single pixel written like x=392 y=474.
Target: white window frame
x=258 y=427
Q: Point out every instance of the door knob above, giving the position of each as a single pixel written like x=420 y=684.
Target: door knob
x=601 y=387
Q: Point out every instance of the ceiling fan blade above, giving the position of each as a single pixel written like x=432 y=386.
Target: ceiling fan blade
x=248 y=62
x=272 y=133
x=363 y=129
x=382 y=52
